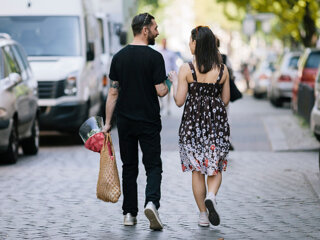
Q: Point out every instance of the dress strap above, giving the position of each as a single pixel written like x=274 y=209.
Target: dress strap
x=193 y=71
x=220 y=73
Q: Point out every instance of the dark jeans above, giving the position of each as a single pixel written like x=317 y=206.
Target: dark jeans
x=148 y=135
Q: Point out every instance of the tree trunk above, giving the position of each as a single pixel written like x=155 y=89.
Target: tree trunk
x=309 y=28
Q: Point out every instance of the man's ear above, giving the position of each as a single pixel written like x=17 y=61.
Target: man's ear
x=145 y=30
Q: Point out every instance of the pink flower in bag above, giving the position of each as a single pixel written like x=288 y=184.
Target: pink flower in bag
x=95 y=142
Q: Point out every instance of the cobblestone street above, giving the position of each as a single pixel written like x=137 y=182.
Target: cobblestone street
x=269 y=191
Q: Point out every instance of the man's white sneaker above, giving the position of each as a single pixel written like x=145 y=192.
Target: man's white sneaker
x=211 y=205
x=129 y=220
x=203 y=219
x=152 y=214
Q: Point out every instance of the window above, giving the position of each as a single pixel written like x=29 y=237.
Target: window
x=45 y=35
x=1 y=65
x=19 y=58
x=293 y=62
x=100 y=23
x=12 y=62
x=313 y=60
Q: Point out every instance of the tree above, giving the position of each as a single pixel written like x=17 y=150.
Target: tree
x=295 y=20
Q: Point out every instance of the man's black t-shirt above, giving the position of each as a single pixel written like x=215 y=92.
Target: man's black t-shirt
x=138 y=69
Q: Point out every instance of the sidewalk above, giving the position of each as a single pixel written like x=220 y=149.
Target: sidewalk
x=265 y=194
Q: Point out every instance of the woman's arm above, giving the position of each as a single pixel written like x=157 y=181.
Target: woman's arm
x=180 y=85
x=225 y=95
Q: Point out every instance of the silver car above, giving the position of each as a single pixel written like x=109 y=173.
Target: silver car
x=262 y=77
x=280 y=89
x=18 y=103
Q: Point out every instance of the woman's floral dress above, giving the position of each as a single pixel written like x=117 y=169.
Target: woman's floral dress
x=204 y=131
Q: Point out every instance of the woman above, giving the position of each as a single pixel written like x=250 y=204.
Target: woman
x=203 y=86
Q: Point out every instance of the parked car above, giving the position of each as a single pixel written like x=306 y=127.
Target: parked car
x=18 y=102
x=63 y=45
x=262 y=77
x=307 y=69
x=280 y=89
x=315 y=114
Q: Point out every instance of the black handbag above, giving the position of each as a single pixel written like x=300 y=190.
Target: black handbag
x=235 y=94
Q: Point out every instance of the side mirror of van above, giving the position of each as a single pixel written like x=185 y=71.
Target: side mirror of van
x=90 y=51
x=123 y=37
x=13 y=80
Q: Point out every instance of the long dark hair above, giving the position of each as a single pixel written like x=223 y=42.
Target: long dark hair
x=206 y=52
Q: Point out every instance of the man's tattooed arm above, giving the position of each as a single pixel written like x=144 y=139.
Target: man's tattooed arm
x=114 y=84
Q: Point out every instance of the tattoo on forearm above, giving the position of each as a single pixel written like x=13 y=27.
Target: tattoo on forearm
x=114 y=84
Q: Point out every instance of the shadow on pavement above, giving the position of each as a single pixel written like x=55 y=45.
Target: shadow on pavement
x=53 y=139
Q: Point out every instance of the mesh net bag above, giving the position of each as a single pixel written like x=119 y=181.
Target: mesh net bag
x=108 y=186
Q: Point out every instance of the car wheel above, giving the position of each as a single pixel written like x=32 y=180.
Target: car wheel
x=30 y=146
x=276 y=102
x=11 y=156
x=258 y=95
x=317 y=136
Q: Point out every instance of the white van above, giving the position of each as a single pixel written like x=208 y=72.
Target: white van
x=63 y=45
x=112 y=38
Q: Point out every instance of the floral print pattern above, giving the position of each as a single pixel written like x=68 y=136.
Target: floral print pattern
x=204 y=131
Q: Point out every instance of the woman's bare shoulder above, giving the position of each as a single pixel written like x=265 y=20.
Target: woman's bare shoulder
x=185 y=66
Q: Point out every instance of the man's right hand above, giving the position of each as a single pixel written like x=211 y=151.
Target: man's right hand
x=106 y=128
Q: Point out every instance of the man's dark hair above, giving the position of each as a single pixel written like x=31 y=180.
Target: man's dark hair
x=139 y=21
x=207 y=53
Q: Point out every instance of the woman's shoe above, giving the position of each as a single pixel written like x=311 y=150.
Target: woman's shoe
x=203 y=219
x=211 y=205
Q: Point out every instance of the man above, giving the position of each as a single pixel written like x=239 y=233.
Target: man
x=137 y=77
x=170 y=58
x=227 y=62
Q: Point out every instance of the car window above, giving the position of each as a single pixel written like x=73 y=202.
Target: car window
x=19 y=60
x=313 y=60
x=293 y=62
x=1 y=66
x=23 y=55
x=12 y=62
x=4 y=64
x=100 y=24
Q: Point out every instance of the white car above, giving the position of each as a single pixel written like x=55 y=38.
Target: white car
x=18 y=103
x=262 y=78
x=280 y=89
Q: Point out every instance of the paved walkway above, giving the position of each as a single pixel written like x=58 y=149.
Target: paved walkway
x=265 y=194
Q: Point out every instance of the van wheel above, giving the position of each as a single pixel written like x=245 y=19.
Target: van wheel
x=11 y=156
x=30 y=146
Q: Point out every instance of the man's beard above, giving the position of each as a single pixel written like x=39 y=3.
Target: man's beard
x=151 y=39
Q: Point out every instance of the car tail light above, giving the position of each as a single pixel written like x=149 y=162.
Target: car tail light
x=284 y=78
x=105 y=80
x=3 y=112
x=263 y=77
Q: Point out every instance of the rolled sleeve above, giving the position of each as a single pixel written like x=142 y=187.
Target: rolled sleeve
x=159 y=73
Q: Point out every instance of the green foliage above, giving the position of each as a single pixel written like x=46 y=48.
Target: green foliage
x=295 y=20
x=148 y=6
